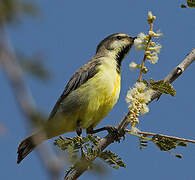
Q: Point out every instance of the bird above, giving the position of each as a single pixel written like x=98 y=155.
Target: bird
x=89 y=96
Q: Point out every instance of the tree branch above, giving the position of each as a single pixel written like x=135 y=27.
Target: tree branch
x=110 y=138
x=24 y=99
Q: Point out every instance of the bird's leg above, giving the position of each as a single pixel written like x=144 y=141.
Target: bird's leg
x=79 y=133
x=110 y=129
x=90 y=130
x=79 y=129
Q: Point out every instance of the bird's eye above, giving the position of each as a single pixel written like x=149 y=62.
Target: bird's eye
x=119 y=37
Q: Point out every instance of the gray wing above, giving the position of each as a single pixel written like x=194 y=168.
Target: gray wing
x=80 y=77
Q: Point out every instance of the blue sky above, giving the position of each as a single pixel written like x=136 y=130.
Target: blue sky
x=67 y=34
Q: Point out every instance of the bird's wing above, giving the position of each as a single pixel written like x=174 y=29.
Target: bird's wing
x=80 y=77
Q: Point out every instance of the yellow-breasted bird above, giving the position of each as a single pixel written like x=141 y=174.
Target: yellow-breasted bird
x=88 y=97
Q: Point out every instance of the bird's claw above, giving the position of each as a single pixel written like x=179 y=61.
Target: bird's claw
x=114 y=131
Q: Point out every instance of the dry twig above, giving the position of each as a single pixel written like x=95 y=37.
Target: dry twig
x=166 y=136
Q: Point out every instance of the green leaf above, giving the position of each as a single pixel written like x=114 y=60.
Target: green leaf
x=162 y=87
x=115 y=167
x=93 y=139
x=183 y=6
x=164 y=144
x=79 y=160
x=191 y=3
x=184 y=144
x=68 y=171
x=64 y=144
x=145 y=82
x=178 y=156
x=112 y=159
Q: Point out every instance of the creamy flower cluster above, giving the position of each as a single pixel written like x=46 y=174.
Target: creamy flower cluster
x=138 y=97
x=143 y=42
x=152 y=49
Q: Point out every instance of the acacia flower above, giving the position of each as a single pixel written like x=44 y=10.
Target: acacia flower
x=156 y=48
x=153 y=34
x=144 y=109
x=140 y=86
x=132 y=66
x=139 y=41
x=153 y=58
x=138 y=97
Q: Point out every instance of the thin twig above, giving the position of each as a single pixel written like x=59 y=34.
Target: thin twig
x=110 y=138
x=144 y=59
x=166 y=136
x=143 y=62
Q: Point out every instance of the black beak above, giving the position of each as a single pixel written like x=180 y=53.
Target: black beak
x=133 y=38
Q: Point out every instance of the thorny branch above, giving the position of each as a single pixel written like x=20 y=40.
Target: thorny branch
x=107 y=140
x=24 y=99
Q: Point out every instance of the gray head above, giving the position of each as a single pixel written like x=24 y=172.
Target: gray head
x=116 y=45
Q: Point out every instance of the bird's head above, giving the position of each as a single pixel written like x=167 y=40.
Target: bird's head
x=116 y=45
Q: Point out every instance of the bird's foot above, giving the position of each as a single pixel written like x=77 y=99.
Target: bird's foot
x=111 y=130
x=116 y=133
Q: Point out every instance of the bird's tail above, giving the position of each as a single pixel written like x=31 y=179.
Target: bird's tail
x=28 y=144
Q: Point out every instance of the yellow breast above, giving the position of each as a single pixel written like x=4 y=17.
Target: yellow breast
x=103 y=93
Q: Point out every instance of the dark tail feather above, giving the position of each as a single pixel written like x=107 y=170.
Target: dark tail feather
x=28 y=144
x=24 y=148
